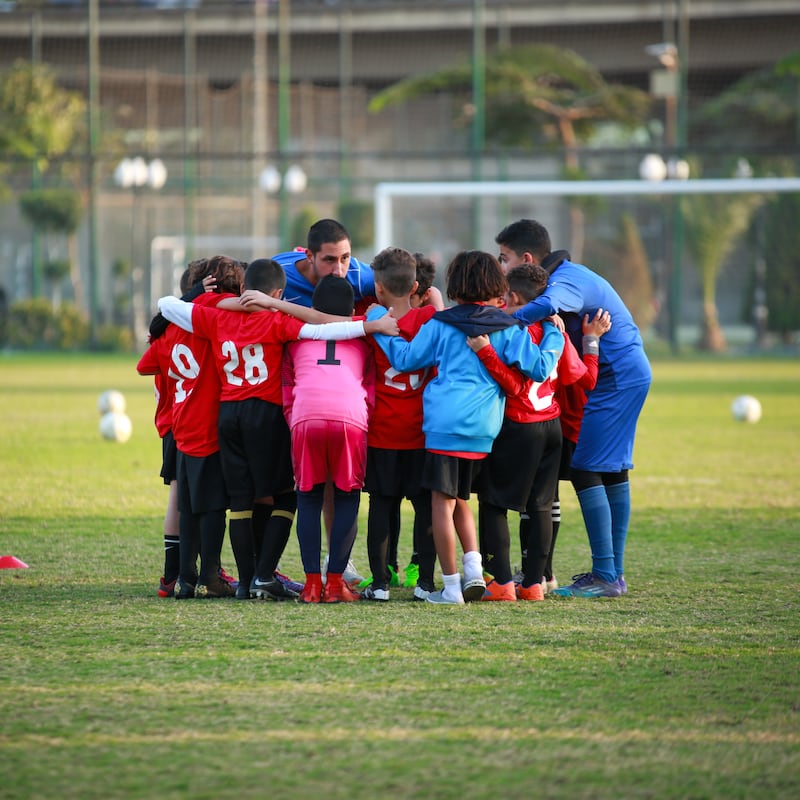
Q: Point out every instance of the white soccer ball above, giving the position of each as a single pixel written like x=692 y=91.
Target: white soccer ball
x=115 y=426
x=746 y=408
x=111 y=400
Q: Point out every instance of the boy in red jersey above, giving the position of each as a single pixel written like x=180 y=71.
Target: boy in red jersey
x=155 y=362
x=254 y=439
x=531 y=429
x=395 y=442
x=202 y=499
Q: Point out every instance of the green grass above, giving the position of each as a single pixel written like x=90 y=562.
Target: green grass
x=687 y=687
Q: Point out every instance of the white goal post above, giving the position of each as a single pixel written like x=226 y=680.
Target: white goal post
x=385 y=193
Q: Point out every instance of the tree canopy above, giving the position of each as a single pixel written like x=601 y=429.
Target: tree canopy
x=535 y=95
x=39 y=120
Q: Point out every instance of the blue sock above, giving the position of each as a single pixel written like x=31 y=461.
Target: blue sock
x=344 y=529
x=597 y=518
x=309 y=528
x=619 y=499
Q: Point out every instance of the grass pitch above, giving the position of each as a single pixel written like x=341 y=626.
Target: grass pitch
x=686 y=687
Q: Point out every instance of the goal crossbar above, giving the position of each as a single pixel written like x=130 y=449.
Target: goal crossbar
x=385 y=192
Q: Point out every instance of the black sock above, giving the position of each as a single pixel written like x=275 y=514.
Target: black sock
x=276 y=534
x=379 y=531
x=261 y=515
x=212 y=534
x=240 y=532
x=172 y=557
x=496 y=540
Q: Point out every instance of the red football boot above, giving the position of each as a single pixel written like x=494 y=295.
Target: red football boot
x=337 y=591
x=312 y=591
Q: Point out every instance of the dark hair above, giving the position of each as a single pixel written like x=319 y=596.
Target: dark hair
x=525 y=236
x=396 y=270
x=184 y=282
x=475 y=276
x=196 y=270
x=426 y=271
x=333 y=295
x=229 y=274
x=325 y=231
x=527 y=280
x=265 y=275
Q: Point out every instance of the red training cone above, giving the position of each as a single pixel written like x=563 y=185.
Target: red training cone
x=12 y=562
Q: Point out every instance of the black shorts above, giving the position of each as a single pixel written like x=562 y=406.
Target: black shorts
x=256 y=451
x=169 y=458
x=394 y=473
x=450 y=475
x=520 y=453
x=201 y=486
x=567 y=449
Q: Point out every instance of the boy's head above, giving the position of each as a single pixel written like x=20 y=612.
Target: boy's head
x=426 y=270
x=228 y=272
x=265 y=275
x=333 y=295
x=195 y=271
x=474 y=276
x=184 y=284
x=523 y=241
x=395 y=272
x=525 y=283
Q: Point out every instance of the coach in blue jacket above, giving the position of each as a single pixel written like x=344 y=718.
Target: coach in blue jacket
x=604 y=451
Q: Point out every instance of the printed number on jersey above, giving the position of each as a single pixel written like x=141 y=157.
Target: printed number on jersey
x=541 y=394
x=403 y=381
x=184 y=368
x=248 y=361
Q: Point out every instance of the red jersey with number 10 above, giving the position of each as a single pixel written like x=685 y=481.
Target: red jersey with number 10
x=195 y=387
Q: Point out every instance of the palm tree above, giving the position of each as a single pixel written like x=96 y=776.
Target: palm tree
x=536 y=95
x=714 y=224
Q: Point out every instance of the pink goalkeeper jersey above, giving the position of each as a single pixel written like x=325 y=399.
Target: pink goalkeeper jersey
x=328 y=380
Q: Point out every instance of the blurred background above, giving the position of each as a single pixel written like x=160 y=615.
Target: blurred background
x=138 y=134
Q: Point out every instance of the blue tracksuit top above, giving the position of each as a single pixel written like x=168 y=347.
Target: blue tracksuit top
x=299 y=290
x=463 y=406
x=575 y=288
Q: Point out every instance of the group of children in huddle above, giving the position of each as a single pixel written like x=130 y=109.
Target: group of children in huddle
x=270 y=409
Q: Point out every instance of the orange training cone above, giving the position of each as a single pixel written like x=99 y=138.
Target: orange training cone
x=12 y=562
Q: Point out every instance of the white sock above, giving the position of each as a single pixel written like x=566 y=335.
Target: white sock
x=452 y=586
x=473 y=565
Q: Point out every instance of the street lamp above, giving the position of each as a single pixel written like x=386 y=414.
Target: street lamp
x=668 y=83
x=653 y=168
x=137 y=174
x=293 y=181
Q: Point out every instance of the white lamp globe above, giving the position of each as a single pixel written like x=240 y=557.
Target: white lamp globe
x=269 y=180
x=156 y=174
x=295 y=179
x=652 y=168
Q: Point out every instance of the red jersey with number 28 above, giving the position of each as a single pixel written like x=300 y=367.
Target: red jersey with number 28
x=248 y=348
